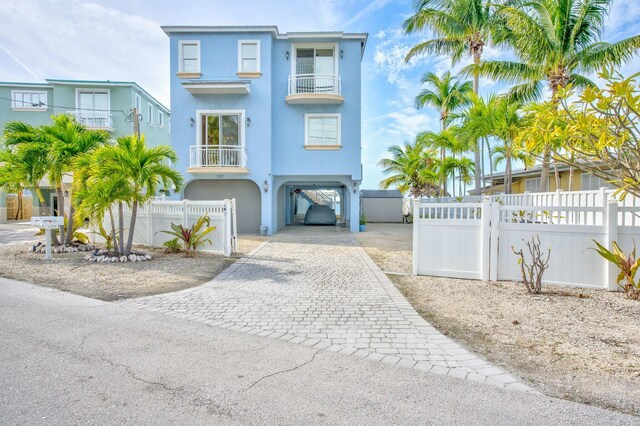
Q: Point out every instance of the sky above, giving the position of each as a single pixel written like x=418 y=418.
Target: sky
x=122 y=40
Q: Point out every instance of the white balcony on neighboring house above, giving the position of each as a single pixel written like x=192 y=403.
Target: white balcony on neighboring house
x=315 y=89
x=97 y=120
x=217 y=159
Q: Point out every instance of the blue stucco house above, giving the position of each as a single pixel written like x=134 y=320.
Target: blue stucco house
x=270 y=119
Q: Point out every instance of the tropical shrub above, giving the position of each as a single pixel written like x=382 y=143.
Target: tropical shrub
x=172 y=246
x=532 y=272
x=194 y=236
x=363 y=219
x=628 y=265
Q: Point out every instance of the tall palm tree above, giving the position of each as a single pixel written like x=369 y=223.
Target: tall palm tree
x=413 y=169
x=460 y=26
x=68 y=140
x=13 y=177
x=142 y=169
x=555 y=42
x=447 y=94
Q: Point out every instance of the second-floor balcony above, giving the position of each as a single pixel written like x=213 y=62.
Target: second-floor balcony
x=315 y=89
x=217 y=159
x=93 y=119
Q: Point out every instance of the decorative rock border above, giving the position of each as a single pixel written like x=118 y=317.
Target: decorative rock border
x=103 y=256
x=41 y=248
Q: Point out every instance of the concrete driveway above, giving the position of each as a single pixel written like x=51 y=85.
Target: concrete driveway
x=71 y=360
x=18 y=232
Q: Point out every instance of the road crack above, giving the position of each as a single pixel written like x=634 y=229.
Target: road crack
x=134 y=376
x=288 y=370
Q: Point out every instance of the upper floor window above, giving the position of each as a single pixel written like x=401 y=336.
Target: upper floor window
x=249 y=56
x=189 y=56
x=317 y=60
x=29 y=99
x=150 y=113
x=589 y=182
x=160 y=118
x=532 y=185
x=322 y=129
x=138 y=104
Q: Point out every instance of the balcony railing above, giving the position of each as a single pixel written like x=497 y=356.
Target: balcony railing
x=218 y=156
x=93 y=119
x=315 y=83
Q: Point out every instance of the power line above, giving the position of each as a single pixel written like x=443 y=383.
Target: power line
x=39 y=104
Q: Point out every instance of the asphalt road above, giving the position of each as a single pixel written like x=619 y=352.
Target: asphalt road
x=12 y=233
x=66 y=359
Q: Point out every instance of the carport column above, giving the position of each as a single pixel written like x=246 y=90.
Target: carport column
x=354 y=214
x=268 y=204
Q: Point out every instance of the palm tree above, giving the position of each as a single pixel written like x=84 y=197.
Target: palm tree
x=460 y=26
x=555 y=42
x=413 y=169
x=23 y=146
x=140 y=169
x=13 y=177
x=447 y=94
x=68 y=140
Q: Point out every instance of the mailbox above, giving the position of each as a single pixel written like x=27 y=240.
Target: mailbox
x=47 y=222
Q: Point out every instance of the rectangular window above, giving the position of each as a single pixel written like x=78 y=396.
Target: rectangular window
x=322 y=129
x=29 y=99
x=150 y=114
x=160 y=118
x=189 y=56
x=249 y=56
x=532 y=185
x=221 y=130
x=315 y=68
x=139 y=104
x=589 y=182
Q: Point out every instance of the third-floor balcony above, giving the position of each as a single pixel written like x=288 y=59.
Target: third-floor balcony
x=217 y=159
x=314 y=89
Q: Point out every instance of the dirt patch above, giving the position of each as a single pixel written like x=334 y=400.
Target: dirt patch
x=576 y=344
x=112 y=281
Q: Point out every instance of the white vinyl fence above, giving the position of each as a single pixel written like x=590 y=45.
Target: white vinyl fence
x=158 y=215
x=474 y=239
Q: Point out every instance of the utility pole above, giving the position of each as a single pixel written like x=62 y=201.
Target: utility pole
x=136 y=123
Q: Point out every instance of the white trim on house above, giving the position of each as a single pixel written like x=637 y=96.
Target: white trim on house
x=241 y=43
x=160 y=119
x=20 y=106
x=137 y=102
x=150 y=113
x=181 y=43
x=322 y=144
x=241 y=123
x=93 y=90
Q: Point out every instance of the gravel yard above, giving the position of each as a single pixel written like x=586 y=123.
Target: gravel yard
x=577 y=344
x=113 y=281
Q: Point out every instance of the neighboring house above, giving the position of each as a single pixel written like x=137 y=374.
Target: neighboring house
x=272 y=120
x=529 y=181
x=382 y=205
x=103 y=105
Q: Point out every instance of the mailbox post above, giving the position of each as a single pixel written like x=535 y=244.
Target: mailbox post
x=48 y=223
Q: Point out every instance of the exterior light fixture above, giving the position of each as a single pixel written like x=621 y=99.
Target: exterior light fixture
x=192 y=122
x=248 y=121
x=341 y=53
x=265 y=186
x=287 y=55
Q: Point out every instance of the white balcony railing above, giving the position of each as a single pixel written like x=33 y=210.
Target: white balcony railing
x=93 y=119
x=218 y=156
x=315 y=83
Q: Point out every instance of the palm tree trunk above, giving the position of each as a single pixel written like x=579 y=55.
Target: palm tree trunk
x=120 y=240
x=544 y=173
x=113 y=233
x=60 y=195
x=490 y=163
x=571 y=169
x=43 y=204
x=477 y=55
x=482 y=168
x=508 y=175
x=443 y=156
x=19 y=208
x=557 y=175
x=69 y=237
x=132 y=225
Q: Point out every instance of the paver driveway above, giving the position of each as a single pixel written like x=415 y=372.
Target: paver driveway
x=317 y=287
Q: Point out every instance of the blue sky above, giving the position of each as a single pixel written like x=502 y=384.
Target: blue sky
x=122 y=40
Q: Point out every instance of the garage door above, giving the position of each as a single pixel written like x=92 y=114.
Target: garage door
x=246 y=193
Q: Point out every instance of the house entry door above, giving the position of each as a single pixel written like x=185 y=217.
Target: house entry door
x=316 y=66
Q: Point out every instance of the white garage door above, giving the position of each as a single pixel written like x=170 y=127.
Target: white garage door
x=246 y=193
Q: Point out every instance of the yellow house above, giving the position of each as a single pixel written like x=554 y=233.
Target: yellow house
x=529 y=181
